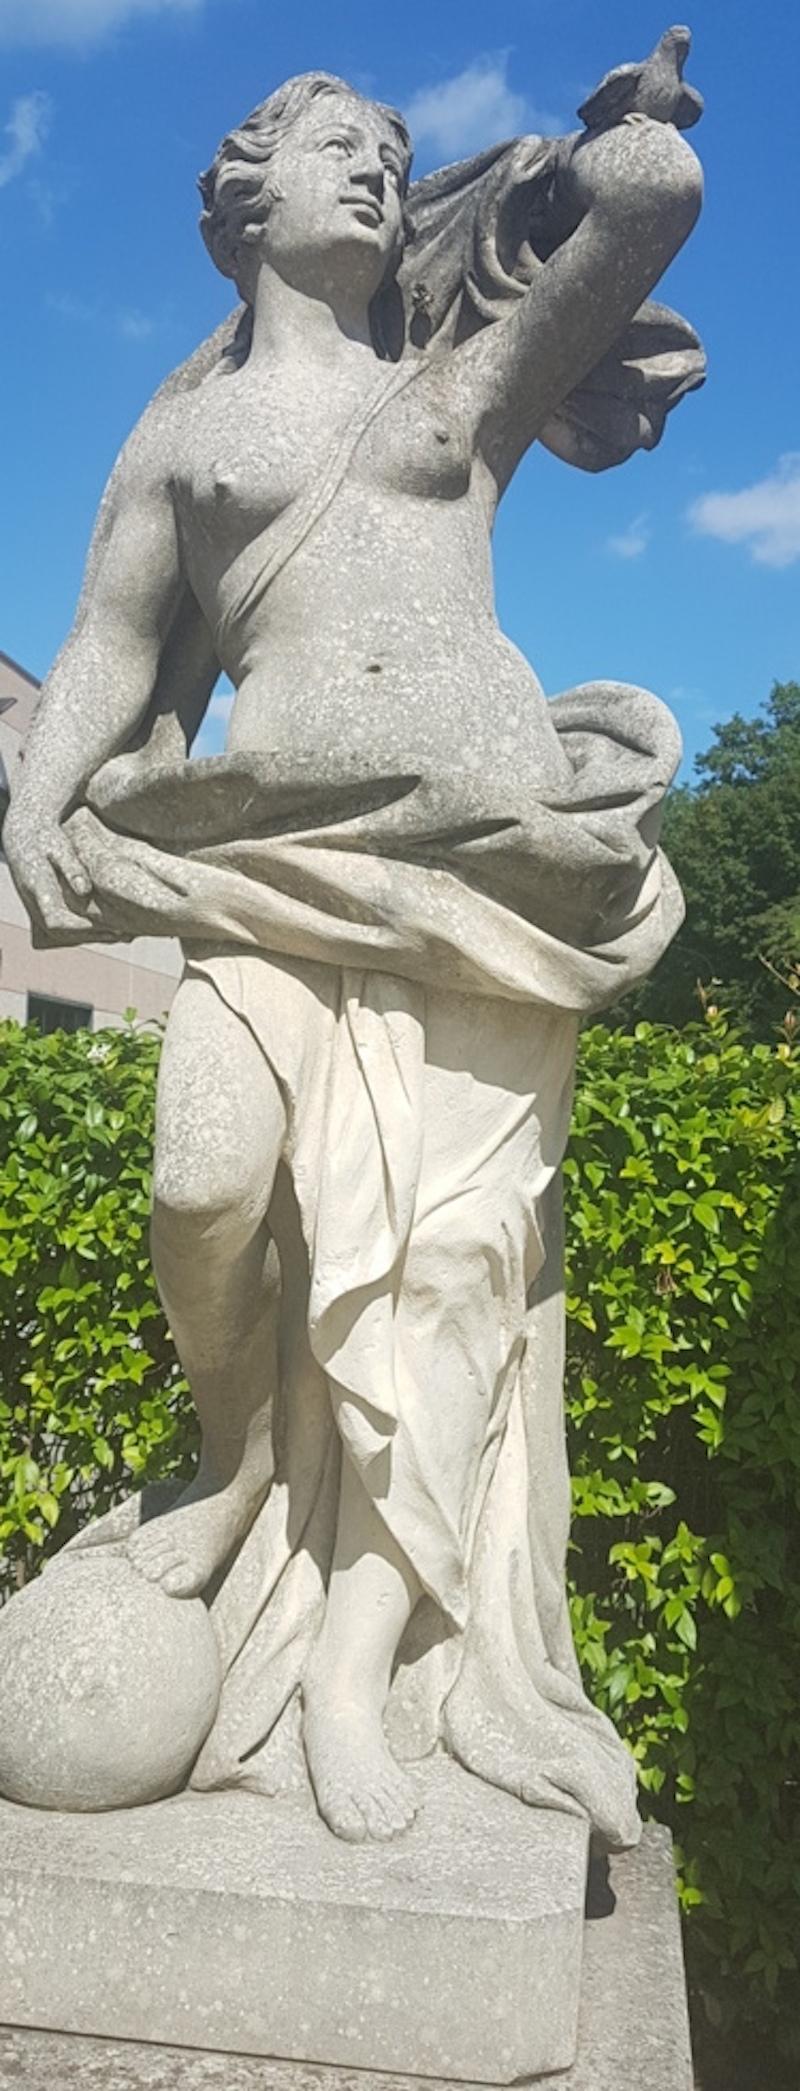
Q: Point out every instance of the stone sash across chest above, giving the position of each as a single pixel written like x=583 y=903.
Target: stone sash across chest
x=252 y=572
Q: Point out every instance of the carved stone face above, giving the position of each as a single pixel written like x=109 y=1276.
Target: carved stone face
x=337 y=216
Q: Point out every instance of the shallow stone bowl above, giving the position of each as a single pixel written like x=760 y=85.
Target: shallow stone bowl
x=108 y=1687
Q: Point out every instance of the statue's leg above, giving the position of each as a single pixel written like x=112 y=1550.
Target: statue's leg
x=360 y=1790
x=220 y=1126
x=492 y=1079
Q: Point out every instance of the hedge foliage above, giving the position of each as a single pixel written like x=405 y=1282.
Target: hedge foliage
x=684 y=1403
x=91 y=1397
x=683 y=1216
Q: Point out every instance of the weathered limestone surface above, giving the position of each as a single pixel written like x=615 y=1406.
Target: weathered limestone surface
x=634 y=2033
x=227 y=1922
x=399 y=889
x=112 y=1717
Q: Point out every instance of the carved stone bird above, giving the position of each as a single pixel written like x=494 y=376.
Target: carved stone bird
x=655 y=88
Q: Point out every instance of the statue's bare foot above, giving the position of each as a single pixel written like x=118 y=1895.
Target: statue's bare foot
x=360 y=1791
x=183 y=1549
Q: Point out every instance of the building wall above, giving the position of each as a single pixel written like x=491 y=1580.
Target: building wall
x=109 y=978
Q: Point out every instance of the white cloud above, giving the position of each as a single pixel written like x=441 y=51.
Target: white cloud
x=764 y=516
x=471 y=110
x=26 y=131
x=630 y=543
x=46 y=198
x=69 y=307
x=128 y=322
x=76 y=21
x=135 y=325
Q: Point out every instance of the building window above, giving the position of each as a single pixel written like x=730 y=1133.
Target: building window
x=53 y=1013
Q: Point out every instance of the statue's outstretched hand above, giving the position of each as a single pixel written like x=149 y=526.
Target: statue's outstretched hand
x=654 y=87
x=47 y=871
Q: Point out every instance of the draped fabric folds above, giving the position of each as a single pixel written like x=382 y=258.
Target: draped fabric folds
x=413 y=962
x=437 y=877
x=427 y=1342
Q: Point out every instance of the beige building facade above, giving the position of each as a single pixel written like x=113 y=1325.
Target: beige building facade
x=93 y=984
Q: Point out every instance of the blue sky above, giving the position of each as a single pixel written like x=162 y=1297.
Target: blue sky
x=679 y=571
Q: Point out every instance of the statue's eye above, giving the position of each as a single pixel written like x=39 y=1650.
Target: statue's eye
x=341 y=145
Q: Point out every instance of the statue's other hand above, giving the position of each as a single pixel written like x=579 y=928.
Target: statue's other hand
x=654 y=87
x=46 y=869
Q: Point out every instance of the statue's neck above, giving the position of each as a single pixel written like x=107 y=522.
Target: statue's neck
x=291 y=327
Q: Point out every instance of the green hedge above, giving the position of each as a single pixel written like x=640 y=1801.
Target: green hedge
x=684 y=1402
x=683 y=1214
x=91 y=1396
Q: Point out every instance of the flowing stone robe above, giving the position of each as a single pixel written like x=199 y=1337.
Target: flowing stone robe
x=416 y=989
x=413 y=953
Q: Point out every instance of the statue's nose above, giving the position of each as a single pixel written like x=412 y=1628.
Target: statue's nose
x=371 y=178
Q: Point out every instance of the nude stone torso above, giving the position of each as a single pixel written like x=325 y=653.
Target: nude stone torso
x=379 y=637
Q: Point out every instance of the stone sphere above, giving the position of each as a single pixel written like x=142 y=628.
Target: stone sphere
x=108 y=1687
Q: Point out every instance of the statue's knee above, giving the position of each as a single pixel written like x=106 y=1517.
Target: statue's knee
x=196 y=1220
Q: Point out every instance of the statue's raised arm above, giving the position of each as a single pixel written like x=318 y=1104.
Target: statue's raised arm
x=635 y=193
x=561 y=242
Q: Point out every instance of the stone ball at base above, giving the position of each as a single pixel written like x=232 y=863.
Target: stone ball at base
x=108 y=1687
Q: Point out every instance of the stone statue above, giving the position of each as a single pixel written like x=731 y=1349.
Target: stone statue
x=399 y=890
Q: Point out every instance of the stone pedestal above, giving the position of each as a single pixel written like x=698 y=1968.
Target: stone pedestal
x=233 y=1923
x=633 y=2029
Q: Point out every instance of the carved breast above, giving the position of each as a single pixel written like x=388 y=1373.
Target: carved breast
x=419 y=446
x=238 y=483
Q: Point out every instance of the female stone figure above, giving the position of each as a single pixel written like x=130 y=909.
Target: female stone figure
x=398 y=891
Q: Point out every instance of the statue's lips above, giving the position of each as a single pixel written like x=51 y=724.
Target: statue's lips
x=366 y=209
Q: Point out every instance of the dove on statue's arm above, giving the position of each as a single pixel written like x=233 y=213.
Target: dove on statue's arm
x=653 y=87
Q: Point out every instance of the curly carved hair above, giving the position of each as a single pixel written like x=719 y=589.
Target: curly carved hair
x=236 y=189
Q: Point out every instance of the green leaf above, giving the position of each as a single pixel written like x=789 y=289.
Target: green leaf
x=686 y=1629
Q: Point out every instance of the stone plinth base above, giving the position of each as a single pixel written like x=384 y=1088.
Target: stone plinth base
x=234 y=1923
x=634 y=2033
